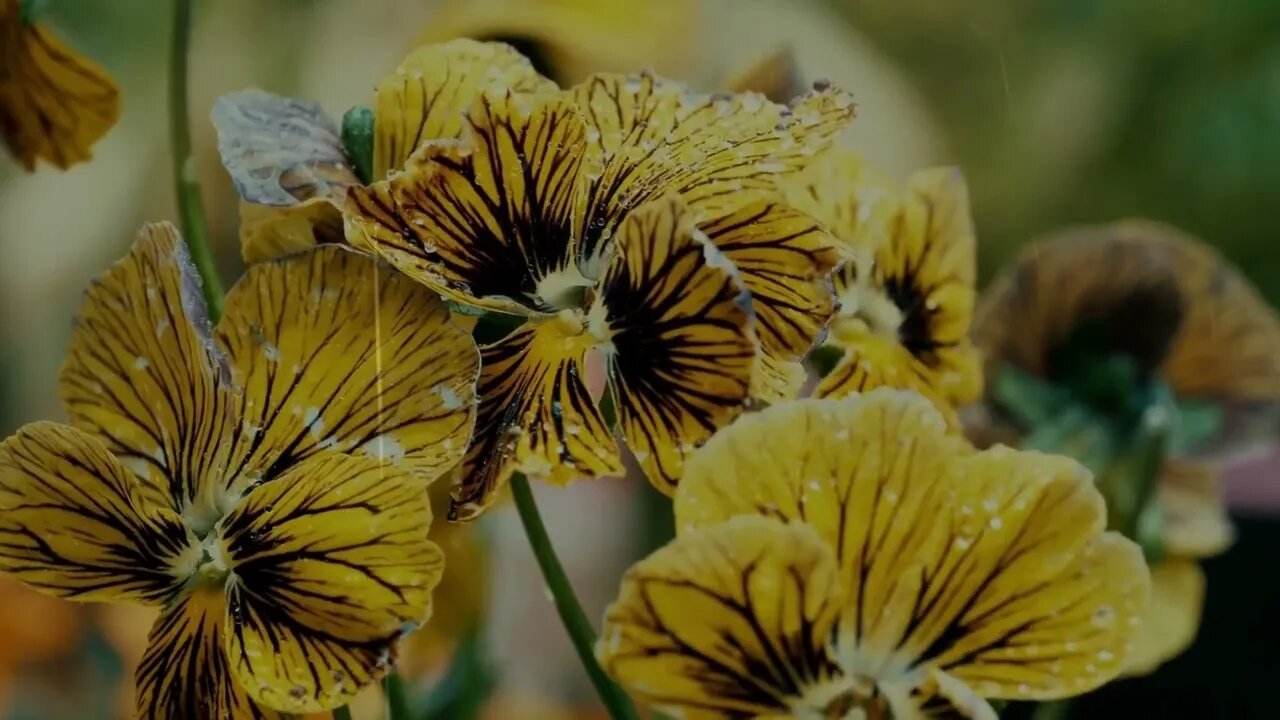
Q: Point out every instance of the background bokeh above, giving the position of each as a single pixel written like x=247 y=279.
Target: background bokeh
x=1058 y=111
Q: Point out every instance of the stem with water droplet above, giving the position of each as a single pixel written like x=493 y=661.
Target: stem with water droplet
x=566 y=602
x=185 y=183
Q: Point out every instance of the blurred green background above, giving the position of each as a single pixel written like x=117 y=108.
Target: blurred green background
x=1058 y=111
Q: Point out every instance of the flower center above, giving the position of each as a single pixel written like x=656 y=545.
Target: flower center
x=844 y=698
x=564 y=289
x=211 y=569
x=865 y=307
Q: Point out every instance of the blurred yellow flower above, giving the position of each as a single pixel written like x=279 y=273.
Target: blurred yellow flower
x=906 y=299
x=54 y=103
x=231 y=474
x=854 y=558
x=627 y=216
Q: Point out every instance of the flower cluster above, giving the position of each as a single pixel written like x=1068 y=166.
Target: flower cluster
x=484 y=275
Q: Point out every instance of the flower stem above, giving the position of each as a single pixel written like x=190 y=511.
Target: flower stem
x=571 y=615
x=186 y=184
x=397 y=697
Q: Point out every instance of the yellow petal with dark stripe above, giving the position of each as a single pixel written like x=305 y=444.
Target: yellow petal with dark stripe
x=54 y=103
x=785 y=260
x=428 y=95
x=185 y=672
x=536 y=415
x=143 y=373
x=73 y=522
x=1029 y=598
x=656 y=138
x=871 y=361
x=330 y=565
x=486 y=221
x=334 y=351
x=852 y=200
x=730 y=621
x=993 y=566
x=839 y=466
x=680 y=347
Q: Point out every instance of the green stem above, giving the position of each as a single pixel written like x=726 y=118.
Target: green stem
x=571 y=615
x=342 y=713
x=186 y=184
x=397 y=697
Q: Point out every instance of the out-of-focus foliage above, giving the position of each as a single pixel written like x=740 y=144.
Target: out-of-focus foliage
x=1080 y=110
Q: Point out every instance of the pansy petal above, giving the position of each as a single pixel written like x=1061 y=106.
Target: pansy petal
x=54 y=102
x=860 y=480
x=1029 y=599
x=289 y=165
x=928 y=271
x=487 y=219
x=269 y=233
x=535 y=415
x=143 y=373
x=730 y=621
x=1193 y=511
x=330 y=565
x=333 y=350
x=852 y=200
x=1172 y=621
x=184 y=672
x=784 y=259
x=73 y=522
x=870 y=360
x=681 y=350
x=428 y=95
x=657 y=138
x=280 y=151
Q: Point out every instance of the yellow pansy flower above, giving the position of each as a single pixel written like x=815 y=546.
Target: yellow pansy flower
x=906 y=299
x=287 y=156
x=262 y=481
x=626 y=216
x=54 y=103
x=854 y=558
x=1180 y=313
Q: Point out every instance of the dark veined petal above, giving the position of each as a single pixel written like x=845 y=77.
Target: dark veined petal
x=334 y=351
x=680 y=347
x=535 y=416
x=992 y=566
x=426 y=98
x=657 y=138
x=54 y=103
x=330 y=565
x=143 y=373
x=918 y=295
x=785 y=260
x=870 y=360
x=486 y=220
x=74 y=524
x=184 y=672
x=733 y=620
x=289 y=165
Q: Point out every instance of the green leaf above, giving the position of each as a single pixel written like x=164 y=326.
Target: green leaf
x=824 y=359
x=31 y=10
x=357 y=137
x=1195 y=424
x=1032 y=401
